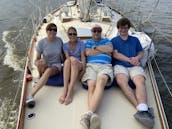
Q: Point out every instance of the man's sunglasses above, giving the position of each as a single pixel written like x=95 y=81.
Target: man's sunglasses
x=94 y=31
x=54 y=29
x=74 y=34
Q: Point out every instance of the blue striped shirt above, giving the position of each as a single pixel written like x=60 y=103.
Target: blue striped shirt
x=102 y=58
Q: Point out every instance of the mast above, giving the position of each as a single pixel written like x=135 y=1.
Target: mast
x=85 y=7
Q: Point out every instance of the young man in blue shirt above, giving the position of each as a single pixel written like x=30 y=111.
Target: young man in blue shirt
x=98 y=74
x=127 y=54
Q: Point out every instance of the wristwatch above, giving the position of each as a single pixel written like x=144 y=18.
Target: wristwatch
x=94 y=47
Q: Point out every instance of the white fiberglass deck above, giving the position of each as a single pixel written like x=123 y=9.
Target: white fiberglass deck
x=115 y=110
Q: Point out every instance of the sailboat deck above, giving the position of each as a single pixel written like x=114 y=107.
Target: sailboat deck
x=115 y=110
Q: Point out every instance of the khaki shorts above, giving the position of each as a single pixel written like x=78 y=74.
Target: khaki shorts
x=94 y=70
x=129 y=71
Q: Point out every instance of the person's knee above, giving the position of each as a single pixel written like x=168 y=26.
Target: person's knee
x=74 y=61
x=67 y=61
x=121 y=81
x=91 y=82
x=48 y=71
x=103 y=78
x=41 y=63
x=139 y=80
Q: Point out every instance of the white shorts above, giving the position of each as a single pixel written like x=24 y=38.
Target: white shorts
x=94 y=70
x=129 y=71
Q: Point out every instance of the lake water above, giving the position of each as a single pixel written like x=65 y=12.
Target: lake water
x=17 y=16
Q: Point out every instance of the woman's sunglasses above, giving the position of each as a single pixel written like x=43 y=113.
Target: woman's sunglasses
x=74 y=34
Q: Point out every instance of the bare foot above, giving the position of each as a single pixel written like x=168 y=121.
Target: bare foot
x=62 y=99
x=67 y=100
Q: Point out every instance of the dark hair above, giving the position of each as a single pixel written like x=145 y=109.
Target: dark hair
x=123 y=21
x=71 y=28
x=51 y=25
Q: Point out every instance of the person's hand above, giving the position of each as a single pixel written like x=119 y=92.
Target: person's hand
x=135 y=61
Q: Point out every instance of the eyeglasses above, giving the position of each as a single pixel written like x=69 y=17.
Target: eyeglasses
x=98 y=31
x=74 y=34
x=54 y=29
x=123 y=28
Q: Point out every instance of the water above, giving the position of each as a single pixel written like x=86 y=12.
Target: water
x=16 y=23
x=15 y=33
x=157 y=15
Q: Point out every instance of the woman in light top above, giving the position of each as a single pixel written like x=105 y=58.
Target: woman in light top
x=74 y=65
x=48 y=59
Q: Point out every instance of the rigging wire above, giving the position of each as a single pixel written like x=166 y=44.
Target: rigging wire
x=165 y=37
x=156 y=28
x=150 y=14
x=31 y=17
x=20 y=82
x=13 y=103
x=37 y=7
x=163 y=79
x=18 y=89
x=147 y=19
x=160 y=32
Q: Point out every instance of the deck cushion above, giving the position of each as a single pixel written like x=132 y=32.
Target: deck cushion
x=85 y=86
x=56 y=80
x=130 y=82
x=114 y=83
